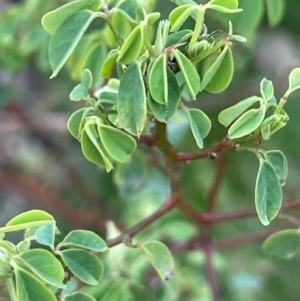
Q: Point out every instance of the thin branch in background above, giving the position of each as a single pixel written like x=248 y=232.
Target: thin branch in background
x=214 y=190
x=59 y=154
x=51 y=201
x=131 y=232
x=210 y=271
x=243 y=239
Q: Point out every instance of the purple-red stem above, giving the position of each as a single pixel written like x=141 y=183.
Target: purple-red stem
x=131 y=232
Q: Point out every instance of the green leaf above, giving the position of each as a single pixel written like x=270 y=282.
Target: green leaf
x=67 y=37
x=189 y=72
x=275 y=11
x=153 y=17
x=108 y=64
x=178 y=37
x=117 y=143
x=44 y=265
x=230 y=4
x=164 y=112
x=217 y=77
x=230 y=114
x=160 y=257
x=278 y=160
x=294 y=80
x=179 y=15
x=271 y=125
x=7 y=245
x=132 y=46
x=224 y=6
x=23 y=245
x=91 y=147
x=84 y=265
x=268 y=193
x=93 y=60
x=81 y=91
x=29 y=288
x=247 y=123
x=158 y=80
x=108 y=97
x=84 y=239
x=129 y=7
x=52 y=20
x=74 y=122
x=284 y=244
x=200 y=125
x=132 y=110
x=266 y=90
x=29 y=219
x=45 y=235
x=78 y=296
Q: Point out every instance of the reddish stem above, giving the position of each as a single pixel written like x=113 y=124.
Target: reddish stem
x=210 y=271
x=214 y=190
x=131 y=232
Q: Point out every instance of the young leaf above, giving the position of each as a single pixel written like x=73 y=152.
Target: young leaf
x=29 y=219
x=74 y=122
x=270 y=125
x=52 y=20
x=266 y=90
x=44 y=265
x=132 y=46
x=117 y=143
x=230 y=114
x=30 y=216
x=45 y=235
x=230 y=4
x=178 y=37
x=223 y=75
x=30 y=288
x=275 y=11
x=108 y=64
x=158 y=81
x=284 y=244
x=132 y=110
x=93 y=60
x=179 y=15
x=278 y=160
x=200 y=125
x=92 y=149
x=84 y=239
x=247 y=123
x=189 y=72
x=81 y=91
x=219 y=73
x=163 y=112
x=224 y=6
x=152 y=18
x=160 y=257
x=294 y=80
x=84 y=265
x=268 y=193
x=78 y=296
x=67 y=37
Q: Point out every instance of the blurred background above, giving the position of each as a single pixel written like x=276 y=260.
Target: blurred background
x=41 y=165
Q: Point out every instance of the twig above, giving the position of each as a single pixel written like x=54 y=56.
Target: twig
x=51 y=201
x=214 y=190
x=131 y=232
x=210 y=271
x=225 y=144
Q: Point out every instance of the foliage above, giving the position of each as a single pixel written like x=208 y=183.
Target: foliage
x=137 y=78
